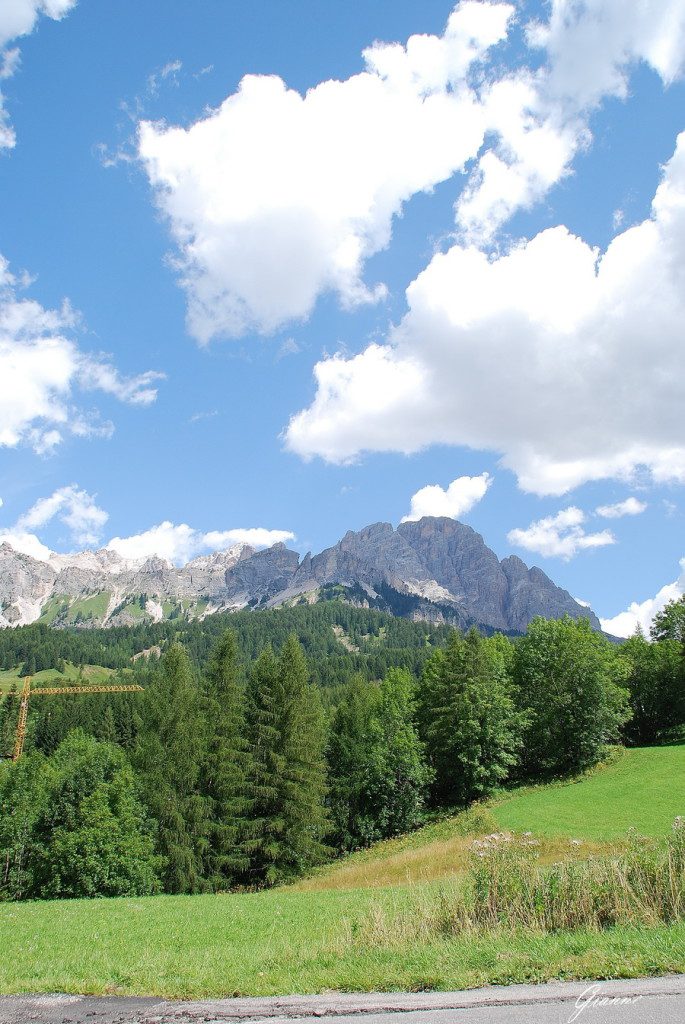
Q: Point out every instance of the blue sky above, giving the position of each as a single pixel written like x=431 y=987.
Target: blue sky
x=293 y=314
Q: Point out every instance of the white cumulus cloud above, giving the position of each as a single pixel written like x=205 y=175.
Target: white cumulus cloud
x=539 y=119
x=592 y=44
x=453 y=501
x=85 y=521
x=560 y=536
x=524 y=354
x=275 y=198
x=179 y=543
x=25 y=542
x=630 y=507
x=78 y=511
x=641 y=613
x=41 y=369
x=75 y=508
x=255 y=536
x=19 y=17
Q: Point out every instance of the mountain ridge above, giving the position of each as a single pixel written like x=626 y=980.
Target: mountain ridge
x=435 y=568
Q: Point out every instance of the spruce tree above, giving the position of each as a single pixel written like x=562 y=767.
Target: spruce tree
x=227 y=767
x=263 y=739
x=106 y=730
x=287 y=740
x=353 y=734
x=167 y=757
x=468 y=720
x=9 y=709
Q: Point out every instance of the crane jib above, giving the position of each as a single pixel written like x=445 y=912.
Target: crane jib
x=51 y=691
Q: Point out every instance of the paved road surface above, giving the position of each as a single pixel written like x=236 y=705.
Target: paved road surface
x=647 y=1001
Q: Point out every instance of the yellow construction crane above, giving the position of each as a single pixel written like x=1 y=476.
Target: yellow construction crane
x=51 y=691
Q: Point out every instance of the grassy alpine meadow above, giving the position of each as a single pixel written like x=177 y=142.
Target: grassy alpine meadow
x=370 y=921
x=641 y=788
x=285 y=942
x=88 y=675
x=439 y=851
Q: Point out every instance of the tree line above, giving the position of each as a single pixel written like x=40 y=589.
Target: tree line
x=375 y=641
x=219 y=778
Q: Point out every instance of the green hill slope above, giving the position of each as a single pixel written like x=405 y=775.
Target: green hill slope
x=298 y=939
x=91 y=675
x=644 y=788
x=340 y=641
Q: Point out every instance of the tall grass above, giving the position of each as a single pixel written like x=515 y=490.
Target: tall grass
x=508 y=887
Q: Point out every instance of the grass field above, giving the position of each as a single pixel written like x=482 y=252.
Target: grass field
x=315 y=936
x=644 y=788
x=438 y=851
x=94 y=607
x=69 y=610
x=94 y=675
x=282 y=942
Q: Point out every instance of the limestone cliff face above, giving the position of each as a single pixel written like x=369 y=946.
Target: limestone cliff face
x=436 y=569
x=447 y=564
x=25 y=584
x=457 y=558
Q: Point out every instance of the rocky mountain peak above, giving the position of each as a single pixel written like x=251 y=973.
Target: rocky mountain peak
x=435 y=568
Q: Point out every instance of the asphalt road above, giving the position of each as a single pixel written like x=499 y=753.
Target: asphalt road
x=646 y=1001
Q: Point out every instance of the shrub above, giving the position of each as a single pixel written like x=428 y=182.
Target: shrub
x=508 y=888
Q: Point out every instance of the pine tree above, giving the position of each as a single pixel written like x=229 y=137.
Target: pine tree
x=468 y=720
x=167 y=758
x=227 y=767
x=287 y=735
x=9 y=709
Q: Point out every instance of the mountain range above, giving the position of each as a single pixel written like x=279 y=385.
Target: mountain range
x=436 y=569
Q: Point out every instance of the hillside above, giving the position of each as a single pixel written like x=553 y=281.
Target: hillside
x=340 y=641
x=644 y=788
x=436 y=570
x=294 y=940
x=641 y=788
x=70 y=675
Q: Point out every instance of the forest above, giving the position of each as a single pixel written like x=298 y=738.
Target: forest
x=265 y=744
x=372 y=641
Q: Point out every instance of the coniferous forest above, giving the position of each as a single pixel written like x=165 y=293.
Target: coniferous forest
x=264 y=744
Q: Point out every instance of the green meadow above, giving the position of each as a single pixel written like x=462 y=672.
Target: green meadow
x=315 y=935
x=89 y=675
x=643 y=788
